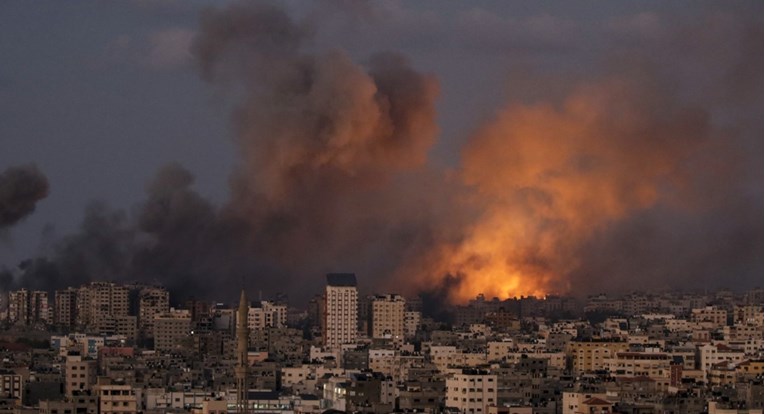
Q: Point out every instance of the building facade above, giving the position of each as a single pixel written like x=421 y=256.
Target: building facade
x=341 y=310
x=388 y=316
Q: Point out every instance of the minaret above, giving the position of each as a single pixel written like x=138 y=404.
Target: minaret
x=242 y=335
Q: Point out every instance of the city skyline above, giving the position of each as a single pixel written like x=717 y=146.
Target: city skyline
x=110 y=348
x=488 y=148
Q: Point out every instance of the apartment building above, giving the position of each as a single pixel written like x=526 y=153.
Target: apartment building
x=471 y=391
x=340 y=310
x=387 y=315
x=169 y=329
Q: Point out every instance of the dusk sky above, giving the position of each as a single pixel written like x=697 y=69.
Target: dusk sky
x=509 y=148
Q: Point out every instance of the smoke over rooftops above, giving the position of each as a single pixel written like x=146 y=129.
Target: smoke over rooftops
x=21 y=188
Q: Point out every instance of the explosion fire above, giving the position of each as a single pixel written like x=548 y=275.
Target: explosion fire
x=625 y=173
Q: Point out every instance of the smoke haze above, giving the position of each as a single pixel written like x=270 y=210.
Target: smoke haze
x=20 y=190
x=628 y=177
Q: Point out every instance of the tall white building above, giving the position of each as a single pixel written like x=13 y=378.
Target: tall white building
x=341 y=310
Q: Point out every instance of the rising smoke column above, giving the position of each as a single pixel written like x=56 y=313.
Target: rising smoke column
x=332 y=175
x=20 y=189
x=331 y=150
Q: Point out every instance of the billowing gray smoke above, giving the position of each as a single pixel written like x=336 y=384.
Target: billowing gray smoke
x=624 y=178
x=332 y=178
x=20 y=190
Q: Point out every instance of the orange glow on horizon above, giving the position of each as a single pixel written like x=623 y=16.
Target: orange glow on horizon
x=545 y=180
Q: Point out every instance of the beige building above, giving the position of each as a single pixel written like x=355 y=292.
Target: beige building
x=267 y=315
x=340 y=310
x=471 y=391
x=79 y=374
x=169 y=329
x=711 y=315
x=587 y=356
x=383 y=361
x=499 y=350
x=710 y=355
x=442 y=356
x=218 y=406
x=749 y=314
x=11 y=385
x=116 y=399
x=654 y=365
x=388 y=317
x=577 y=402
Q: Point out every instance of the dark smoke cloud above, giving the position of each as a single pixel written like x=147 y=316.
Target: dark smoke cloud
x=643 y=175
x=325 y=144
x=20 y=190
x=332 y=176
x=100 y=250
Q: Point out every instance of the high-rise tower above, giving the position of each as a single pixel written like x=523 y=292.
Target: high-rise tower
x=242 y=335
x=340 y=310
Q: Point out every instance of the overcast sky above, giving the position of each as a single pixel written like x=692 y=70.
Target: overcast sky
x=100 y=95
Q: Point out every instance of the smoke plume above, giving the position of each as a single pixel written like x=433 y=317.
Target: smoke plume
x=588 y=193
x=332 y=176
x=20 y=190
x=325 y=143
x=631 y=177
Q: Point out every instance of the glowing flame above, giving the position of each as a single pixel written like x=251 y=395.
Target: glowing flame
x=546 y=178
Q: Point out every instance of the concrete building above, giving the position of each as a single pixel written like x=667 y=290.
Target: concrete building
x=116 y=399
x=341 y=310
x=83 y=306
x=382 y=361
x=169 y=329
x=471 y=391
x=126 y=326
x=11 y=385
x=65 y=307
x=266 y=315
x=81 y=403
x=152 y=301
x=710 y=355
x=100 y=303
x=411 y=323
x=588 y=356
x=577 y=402
x=710 y=314
x=79 y=374
x=653 y=365
x=387 y=318
x=28 y=307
